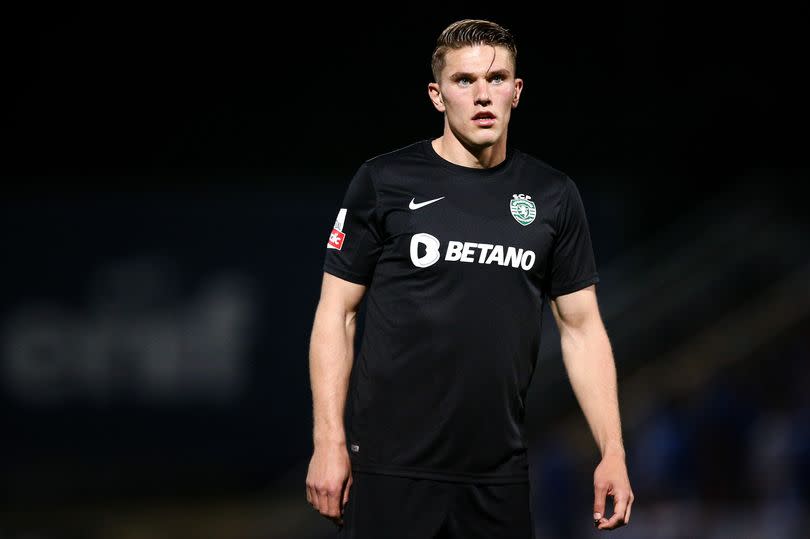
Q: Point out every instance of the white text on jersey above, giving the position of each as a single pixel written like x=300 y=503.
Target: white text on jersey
x=466 y=251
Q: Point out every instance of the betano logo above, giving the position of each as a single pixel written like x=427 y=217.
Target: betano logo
x=465 y=251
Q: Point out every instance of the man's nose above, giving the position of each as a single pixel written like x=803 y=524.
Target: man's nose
x=482 y=92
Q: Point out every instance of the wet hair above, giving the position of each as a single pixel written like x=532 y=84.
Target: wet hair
x=469 y=33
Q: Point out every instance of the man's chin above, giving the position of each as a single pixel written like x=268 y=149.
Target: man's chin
x=479 y=139
x=483 y=140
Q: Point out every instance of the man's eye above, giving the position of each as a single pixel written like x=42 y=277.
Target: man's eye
x=497 y=79
x=463 y=81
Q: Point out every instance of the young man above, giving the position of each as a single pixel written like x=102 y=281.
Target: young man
x=459 y=241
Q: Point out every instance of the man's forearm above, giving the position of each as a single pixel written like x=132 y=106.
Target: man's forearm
x=330 y=363
x=588 y=359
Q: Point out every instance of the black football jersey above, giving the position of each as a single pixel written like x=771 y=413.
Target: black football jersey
x=458 y=262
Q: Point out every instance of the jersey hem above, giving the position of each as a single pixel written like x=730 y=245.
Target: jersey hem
x=457 y=477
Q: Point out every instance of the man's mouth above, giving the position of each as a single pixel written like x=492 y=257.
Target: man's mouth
x=483 y=119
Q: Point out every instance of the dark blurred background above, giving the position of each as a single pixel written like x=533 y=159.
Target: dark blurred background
x=171 y=173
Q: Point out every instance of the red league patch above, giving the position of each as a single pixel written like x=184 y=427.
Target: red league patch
x=337 y=236
x=336 y=239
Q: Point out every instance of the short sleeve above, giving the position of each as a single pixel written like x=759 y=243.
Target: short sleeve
x=572 y=263
x=355 y=242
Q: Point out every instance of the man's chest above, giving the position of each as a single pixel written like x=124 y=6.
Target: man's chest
x=498 y=225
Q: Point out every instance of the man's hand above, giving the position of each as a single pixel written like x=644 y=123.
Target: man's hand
x=610 y=479
x=329 y=479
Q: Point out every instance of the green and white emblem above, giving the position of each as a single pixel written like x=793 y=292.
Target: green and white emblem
x=523 y=209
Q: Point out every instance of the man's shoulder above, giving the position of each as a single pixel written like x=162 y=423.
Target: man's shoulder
x=550 y=178
x=404 y=153
x=538 y=165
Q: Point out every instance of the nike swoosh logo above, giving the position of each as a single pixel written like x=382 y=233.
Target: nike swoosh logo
x=415 y=206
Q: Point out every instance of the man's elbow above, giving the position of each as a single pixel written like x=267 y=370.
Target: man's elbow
x=350 y=318
x=335 y=315
x=581 y=329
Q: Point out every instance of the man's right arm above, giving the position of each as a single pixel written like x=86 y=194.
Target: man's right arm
x=331 y=355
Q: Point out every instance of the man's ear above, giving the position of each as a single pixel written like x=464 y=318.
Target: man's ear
x=516 y=95
x=435 y=94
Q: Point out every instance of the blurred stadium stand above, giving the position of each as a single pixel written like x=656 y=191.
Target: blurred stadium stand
x=154 y=376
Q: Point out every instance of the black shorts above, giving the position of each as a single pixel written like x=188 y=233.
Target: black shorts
x=392 y=507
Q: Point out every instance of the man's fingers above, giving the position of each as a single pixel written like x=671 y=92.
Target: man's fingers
x=346 y=493
x=629 y=507
x=617 y=518
x=333 y=496
x=599 y=494
x=329 y=501
x=315 y=498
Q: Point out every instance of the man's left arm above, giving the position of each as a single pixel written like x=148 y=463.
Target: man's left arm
x=589 y=362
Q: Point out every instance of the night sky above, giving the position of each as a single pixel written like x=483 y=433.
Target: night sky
x=216 y=93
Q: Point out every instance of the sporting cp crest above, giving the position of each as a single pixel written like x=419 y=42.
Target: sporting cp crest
x=523 y=209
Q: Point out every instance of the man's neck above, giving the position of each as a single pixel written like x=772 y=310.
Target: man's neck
x=449 y=148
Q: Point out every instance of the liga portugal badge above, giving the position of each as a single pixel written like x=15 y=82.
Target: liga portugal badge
x=523 y=209
x=337 y=236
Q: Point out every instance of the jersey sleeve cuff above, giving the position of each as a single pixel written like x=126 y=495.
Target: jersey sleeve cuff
x=573 y=287
x=347 y=275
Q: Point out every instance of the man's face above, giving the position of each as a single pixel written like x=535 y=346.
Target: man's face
x=477 y=91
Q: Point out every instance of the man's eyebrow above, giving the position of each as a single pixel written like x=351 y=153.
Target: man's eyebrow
x=504 y=73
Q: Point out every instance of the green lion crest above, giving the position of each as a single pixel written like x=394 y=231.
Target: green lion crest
x=523 y=209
